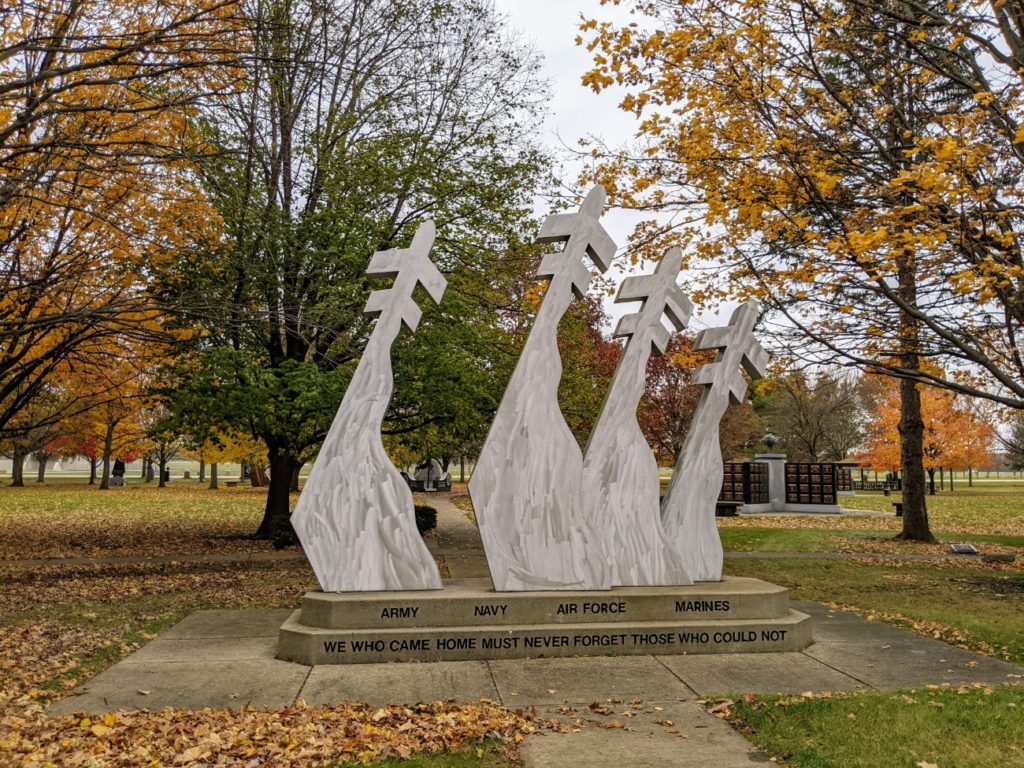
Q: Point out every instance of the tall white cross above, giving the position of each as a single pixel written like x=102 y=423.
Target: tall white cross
x=527 y=483
x=355 y=517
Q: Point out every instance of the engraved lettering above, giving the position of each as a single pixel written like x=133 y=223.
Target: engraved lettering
x=405 y=612
x=489 y=610
x=619 y=607
x=706 y=606
x=456 y=643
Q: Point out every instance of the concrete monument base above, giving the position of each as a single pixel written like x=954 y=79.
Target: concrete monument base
x=468 y=620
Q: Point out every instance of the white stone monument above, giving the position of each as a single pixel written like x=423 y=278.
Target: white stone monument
x=586 y=563
x=355 y=516
x=620 y=475
x=688 y=509
x=527 y=483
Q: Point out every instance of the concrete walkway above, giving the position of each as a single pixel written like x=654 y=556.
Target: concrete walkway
x=456 y=542
x=653 y=716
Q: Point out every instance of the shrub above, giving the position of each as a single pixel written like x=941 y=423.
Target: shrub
x=426 y=518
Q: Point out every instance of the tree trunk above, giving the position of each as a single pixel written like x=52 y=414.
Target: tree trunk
x=18 y=468
x=294 y=487
x=149 y=469
x=93 y=464
x=276 y=515
x=108 y=443
x=445 y=462
x=258 y=476
x=213 y=476
x=162 y=482
x=462 y=469
x=911 y=429
x=41 y=458
x=931 y=481
x=202 y=470
x=911 y=426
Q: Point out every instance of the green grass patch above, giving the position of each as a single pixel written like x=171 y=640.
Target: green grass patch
x=988 y=508
x=107 y=656
x=978 y=607
x=490 y=754
x=752 y=539
x=948 y=728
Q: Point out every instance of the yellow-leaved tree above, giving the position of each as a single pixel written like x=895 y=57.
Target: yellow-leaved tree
x=95 y=179
x=855 y=164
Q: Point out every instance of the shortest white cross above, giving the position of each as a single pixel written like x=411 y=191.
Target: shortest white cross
x=738 y=349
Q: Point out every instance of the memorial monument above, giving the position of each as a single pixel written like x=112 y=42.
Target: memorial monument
x=688 y=509
x=527 y=485
x=583 y=559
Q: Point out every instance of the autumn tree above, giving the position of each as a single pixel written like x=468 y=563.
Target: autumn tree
x=818 y=417
x=93 y=174
x=356 y=122
x=955 y=436
x=854 y=164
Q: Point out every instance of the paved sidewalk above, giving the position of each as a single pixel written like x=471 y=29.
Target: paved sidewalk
x=226 y=659
x=457 y=540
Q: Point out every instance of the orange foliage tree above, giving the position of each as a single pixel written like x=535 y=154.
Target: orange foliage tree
x=94 y=180
x=954 y=435
x=856 y=164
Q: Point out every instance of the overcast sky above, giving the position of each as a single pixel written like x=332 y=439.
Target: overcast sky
x=575 y=111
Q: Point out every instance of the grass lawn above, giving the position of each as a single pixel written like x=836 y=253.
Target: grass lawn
x=752 y=537
x=970 y=727
x=995 y=508
x=974 y=606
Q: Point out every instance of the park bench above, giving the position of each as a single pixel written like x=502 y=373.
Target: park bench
x=727 y=508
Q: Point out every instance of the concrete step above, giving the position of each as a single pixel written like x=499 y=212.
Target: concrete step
x=472 y=602
x=316 y=645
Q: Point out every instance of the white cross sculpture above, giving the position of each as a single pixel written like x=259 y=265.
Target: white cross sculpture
x=527 y=484
x=620 y=475
x=688 y=509
x=355 y=516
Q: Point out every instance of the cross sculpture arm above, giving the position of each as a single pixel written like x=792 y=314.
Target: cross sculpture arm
x=583 y=234
x=355 y=516
x=738 y=349
x=408 y=266
x=660 y=296
x=688 y=509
